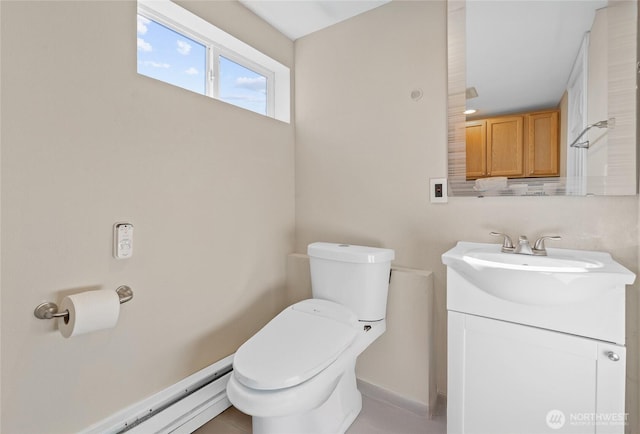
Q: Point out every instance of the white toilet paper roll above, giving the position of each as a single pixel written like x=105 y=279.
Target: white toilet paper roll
x=89 y=311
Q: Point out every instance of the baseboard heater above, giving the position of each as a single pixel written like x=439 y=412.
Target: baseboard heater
x=180 y=409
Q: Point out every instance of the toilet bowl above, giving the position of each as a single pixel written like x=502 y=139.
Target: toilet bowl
x=297 y=374
x=296 y=363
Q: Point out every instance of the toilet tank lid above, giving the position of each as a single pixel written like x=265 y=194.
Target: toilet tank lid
x=350 y=253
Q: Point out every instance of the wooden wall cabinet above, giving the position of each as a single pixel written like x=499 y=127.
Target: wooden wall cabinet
x=543 y=144
x=476 y=133
x=515 y=146
x=505 y=146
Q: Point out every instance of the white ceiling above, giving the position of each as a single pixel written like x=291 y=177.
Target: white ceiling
x=298 y=18
x=520 y=53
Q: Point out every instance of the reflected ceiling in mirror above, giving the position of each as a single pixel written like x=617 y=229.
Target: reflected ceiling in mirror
x=519 y=57
x=528 y=69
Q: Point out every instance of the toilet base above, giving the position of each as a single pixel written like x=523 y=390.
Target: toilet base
x=333 y=416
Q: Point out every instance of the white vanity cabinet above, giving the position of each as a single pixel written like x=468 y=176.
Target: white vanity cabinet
x=535 y=344
x=507 y=378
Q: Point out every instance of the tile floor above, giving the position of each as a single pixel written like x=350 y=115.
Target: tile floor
x=376 y=417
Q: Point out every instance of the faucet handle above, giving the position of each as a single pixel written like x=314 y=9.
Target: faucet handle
x=507 y=244
x=538 y=247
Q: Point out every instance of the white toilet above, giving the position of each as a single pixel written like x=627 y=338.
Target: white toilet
x=297 y=374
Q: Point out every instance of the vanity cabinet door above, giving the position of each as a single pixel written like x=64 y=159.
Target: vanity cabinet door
x=506 y=378
x=542 y=143
x=505 y=146
x=476 y=140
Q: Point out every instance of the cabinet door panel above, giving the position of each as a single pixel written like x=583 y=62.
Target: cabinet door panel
x=476 y=140
x=611 y=388
x=505 y=146
x=509 y=378
x=542 y=141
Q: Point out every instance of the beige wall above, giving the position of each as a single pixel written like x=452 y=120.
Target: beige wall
x=365 y=152
x=87 y=142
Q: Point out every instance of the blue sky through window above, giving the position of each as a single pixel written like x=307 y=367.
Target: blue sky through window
x=169 y=56
x=242 y=87
x=166 y=55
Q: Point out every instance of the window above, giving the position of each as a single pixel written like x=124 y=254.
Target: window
x=242 y=86
x=179 y=48
x=169 y=56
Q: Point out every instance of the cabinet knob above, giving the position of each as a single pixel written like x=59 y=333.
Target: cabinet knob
x=613 y=356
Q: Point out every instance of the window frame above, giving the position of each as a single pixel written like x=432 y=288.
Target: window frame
x=219 y=43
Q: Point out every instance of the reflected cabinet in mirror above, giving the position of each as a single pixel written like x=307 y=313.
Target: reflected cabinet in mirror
x=542 y=97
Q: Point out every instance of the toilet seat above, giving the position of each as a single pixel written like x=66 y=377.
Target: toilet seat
x=296 y=345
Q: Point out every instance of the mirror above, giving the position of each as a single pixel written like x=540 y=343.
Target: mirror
x=554 y=84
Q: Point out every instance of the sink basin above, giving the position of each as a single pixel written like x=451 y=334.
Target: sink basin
x=559 y=263
x=572 y=291
x=564 y=276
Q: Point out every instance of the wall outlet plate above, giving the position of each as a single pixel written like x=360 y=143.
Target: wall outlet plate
x=438 y=189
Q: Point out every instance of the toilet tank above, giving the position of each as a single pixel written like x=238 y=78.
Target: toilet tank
x=354 y=276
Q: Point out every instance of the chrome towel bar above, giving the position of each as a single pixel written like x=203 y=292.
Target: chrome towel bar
x=49 y=310
x=585 y=144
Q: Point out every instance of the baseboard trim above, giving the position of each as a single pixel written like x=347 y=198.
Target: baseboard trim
x=180 y=408
x=379 y=393
x=190 y=413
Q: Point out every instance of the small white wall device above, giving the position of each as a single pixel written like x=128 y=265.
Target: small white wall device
x=438 y=190
x=122 y=240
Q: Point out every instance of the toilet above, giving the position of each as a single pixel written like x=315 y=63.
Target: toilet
x=297 y=374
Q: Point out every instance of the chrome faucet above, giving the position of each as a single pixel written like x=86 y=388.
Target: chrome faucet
x=507 y=244
x=524 y=247
x=538 y=247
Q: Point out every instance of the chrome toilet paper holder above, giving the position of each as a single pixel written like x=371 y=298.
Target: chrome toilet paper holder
x=49 y=310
